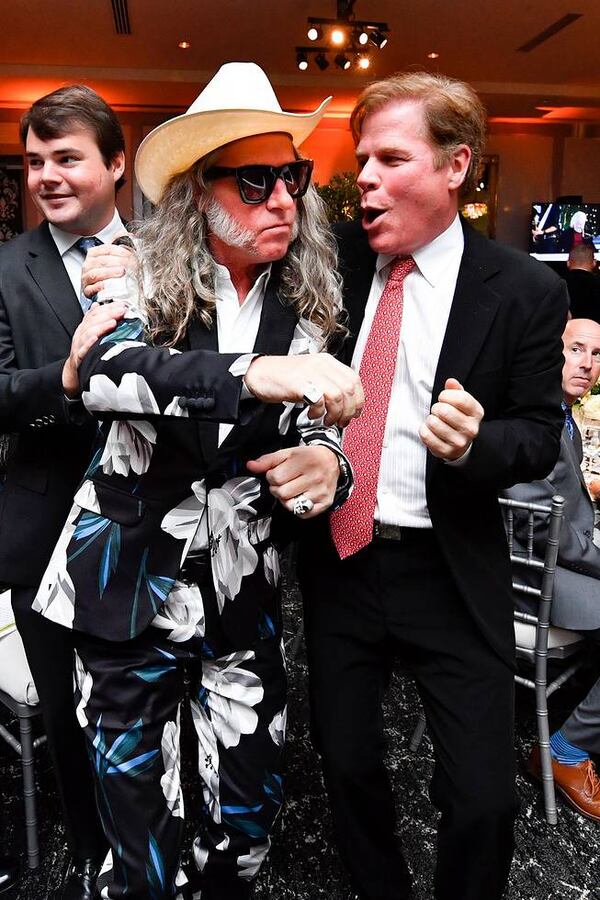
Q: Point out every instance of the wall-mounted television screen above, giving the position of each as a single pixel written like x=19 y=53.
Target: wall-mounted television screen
x=556 y=227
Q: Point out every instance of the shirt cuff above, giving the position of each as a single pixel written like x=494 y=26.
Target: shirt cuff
x=457 y=463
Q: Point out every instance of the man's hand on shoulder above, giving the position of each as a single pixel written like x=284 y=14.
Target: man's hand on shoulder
x=330 y=388
x=98 y=321
x=453 y=423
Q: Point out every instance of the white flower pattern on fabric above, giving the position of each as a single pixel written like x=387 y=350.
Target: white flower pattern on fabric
x=271 y=565
x=208 y=767
x=170 y=782
x=84 y=682
x=174 y=409
x=233 y=556
x=200 y=854
x=232 y=692
x=278 y=726
x=87 y=498
x=118 y=348
x=55 y=598
x=182 y=614
x=131 y=395
x=129 y=445
x=183 y=520
x=250 y=863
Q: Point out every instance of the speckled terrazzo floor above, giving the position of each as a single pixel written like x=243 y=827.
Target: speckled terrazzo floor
x=561 y=863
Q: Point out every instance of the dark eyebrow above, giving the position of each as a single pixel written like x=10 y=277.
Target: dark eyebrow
x=61 y=152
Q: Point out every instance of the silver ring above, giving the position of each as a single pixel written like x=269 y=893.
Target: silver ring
x=302 y=504
x=311 y=393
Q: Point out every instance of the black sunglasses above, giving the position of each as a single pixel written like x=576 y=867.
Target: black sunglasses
x=257 y=183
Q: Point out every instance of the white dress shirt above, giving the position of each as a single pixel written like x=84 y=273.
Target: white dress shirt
x=71 y=257
x=237 y=324
x=428 y=293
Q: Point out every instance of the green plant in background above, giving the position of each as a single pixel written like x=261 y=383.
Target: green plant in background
x=341 y=197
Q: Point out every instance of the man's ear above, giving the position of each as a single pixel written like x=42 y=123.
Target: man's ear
x=459 y=166
x=117 y=165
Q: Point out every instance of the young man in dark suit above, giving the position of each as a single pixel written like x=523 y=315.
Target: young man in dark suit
x=576 y=597
x=75 y=152
x=458 y=345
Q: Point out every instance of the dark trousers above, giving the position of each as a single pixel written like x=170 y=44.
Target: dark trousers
x=396 y=599
x=582 y=727
x=49 y=649
x=130 y=695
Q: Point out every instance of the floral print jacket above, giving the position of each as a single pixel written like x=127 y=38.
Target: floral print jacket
x=159 y=487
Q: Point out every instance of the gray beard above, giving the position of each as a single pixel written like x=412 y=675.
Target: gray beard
x=226 y=229
x=231 y=232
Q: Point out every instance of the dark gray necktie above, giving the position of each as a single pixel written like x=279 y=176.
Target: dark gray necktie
x=83 y=245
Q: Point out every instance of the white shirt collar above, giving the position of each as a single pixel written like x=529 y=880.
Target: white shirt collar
x=432 y=259
x=64 y=240
x=223 y=281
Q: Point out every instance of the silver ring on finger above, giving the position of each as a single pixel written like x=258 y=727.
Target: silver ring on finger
x=302 y=505
x=311 y=393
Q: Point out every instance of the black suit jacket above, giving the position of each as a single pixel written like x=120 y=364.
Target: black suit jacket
x=503 y=343
x=159 y=476
x=39 y=312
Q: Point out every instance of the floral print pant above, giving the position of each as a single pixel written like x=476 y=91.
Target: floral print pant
x=129 y=696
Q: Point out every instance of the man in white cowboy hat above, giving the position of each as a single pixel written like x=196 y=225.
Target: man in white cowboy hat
x=168 y=560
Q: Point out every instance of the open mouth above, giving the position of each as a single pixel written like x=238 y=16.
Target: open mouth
x=370 y=215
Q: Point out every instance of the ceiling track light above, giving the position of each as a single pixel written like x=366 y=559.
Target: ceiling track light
x=302 y=60
x=345 y=34
x=378 y=38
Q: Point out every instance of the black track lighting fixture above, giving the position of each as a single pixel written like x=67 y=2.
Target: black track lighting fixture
x=302 y=60
x=344 y=34
x=378 y=38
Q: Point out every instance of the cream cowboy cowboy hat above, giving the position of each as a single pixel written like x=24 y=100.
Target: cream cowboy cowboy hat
x=238 y=102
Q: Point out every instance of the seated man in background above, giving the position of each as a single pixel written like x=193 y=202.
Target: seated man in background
x=583 y=283
x=577 y=583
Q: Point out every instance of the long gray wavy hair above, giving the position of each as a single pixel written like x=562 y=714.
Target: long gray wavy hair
x=177 y=263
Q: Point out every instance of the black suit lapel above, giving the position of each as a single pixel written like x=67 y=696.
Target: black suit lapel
x=202 y=337
x=48 y=271
x=275 y=331
x=357 y=265
x=277 y=323
x=574 y=452
x=473 y=310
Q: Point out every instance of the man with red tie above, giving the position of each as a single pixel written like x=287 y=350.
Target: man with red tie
x=458 y=344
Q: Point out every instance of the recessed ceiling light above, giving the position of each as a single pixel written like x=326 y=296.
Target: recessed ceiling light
x=433 y=55
x=184 y=45
x=338 y=37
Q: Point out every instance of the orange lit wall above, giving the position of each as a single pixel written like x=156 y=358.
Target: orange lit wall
x=537 y=161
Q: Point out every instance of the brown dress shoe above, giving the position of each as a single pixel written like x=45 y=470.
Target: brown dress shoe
x=579 y=784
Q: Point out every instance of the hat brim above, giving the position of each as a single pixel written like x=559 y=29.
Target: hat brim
x=175 y=145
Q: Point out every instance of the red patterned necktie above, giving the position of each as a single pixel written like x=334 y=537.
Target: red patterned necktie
x=352 y=524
